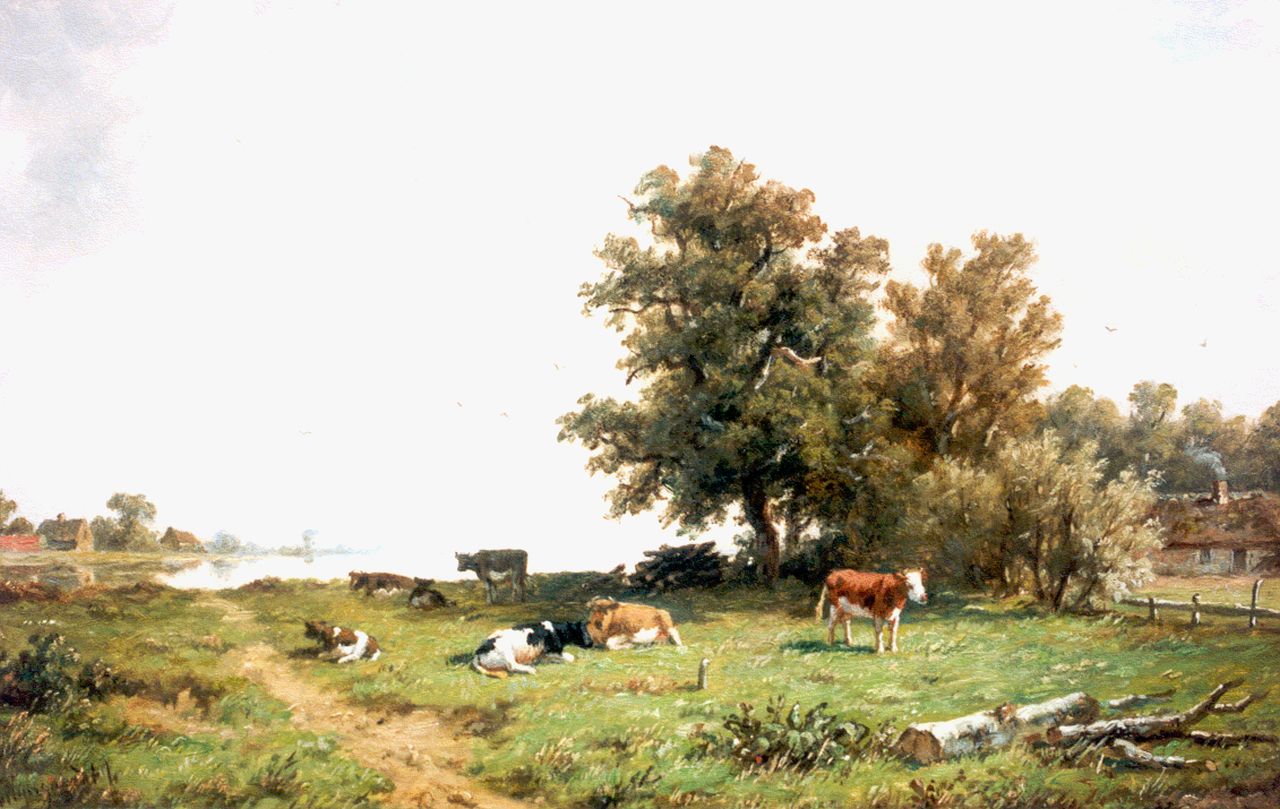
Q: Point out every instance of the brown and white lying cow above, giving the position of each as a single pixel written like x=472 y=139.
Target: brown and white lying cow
x=379 y=582
x=618 y=625
x=878 y=596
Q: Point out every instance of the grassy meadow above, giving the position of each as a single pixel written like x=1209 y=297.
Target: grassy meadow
x=203 y=733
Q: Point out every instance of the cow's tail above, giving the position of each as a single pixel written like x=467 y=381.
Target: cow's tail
x=499 y=674
x=822 y=598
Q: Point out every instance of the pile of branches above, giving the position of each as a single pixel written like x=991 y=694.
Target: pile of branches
x=1075 y=729
x=675 y=568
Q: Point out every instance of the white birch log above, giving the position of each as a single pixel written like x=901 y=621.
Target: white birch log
x=927 y=742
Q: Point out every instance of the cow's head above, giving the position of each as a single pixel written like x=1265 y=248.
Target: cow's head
x=576 y=633
x=915 y=579
x=318 y=630
x=466 y=561
x=357 y=578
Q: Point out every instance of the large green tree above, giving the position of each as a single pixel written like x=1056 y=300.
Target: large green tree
x=966 y=351
x=748 y=331
x=1078 y=416
x=130 y=529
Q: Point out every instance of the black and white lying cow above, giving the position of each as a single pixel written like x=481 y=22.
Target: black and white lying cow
x=513 y=649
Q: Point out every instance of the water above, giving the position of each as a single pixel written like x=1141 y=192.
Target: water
x=221 y=572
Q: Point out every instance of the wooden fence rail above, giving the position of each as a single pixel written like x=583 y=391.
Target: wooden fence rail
x=1252 y=611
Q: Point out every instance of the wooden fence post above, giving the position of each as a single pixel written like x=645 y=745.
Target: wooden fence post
x=1253 y=605
x=702 y=674
x=1154 y=614
x=1195 y=610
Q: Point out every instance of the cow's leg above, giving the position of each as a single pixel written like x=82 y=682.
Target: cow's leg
x=893 y=634
x=879 y=625
x=848 y=630
x=490 y=592
x=831 y=627
x=617 y=642
x=523 y=669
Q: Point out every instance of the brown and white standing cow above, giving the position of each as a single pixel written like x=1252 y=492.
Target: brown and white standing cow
x=878 y=596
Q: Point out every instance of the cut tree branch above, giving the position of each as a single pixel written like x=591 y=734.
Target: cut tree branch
x=793 y=357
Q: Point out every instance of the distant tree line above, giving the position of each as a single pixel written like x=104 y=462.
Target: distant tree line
x=128 y=528
x=764 y=395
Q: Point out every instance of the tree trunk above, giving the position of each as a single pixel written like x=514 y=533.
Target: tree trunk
x=759 y=514
x=927 y=742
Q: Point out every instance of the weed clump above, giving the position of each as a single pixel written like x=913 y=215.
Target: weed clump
x=787 y=738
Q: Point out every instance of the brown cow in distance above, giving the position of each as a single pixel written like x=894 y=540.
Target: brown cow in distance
x=379 y=582
x=878 y=596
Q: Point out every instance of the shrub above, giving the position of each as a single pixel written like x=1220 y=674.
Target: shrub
x=40 y=678
x=787 y=738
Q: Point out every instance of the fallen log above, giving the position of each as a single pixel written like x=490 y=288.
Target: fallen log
x=927 y=742
x=1150 y=728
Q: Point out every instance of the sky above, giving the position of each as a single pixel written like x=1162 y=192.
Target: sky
x=290 y=266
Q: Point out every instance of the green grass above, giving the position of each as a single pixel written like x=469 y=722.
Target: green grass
x=578 y=733
x=570 y=728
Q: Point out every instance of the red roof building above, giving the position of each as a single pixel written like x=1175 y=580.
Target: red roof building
x=20 y=543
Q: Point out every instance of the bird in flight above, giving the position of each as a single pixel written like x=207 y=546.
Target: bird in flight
x=459 y=404
x=1204 y=343
x=504 y=414
x=557 y=365
x=1110 y=328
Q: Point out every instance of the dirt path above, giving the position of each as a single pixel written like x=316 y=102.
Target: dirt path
x=416 y=750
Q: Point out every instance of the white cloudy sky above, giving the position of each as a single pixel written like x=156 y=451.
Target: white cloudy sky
x=253 y=254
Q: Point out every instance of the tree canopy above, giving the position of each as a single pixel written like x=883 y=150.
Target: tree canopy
x=965 y=354
x=749 y=333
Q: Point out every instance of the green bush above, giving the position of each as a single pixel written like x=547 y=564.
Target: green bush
x=787 y=738
x=40 y=679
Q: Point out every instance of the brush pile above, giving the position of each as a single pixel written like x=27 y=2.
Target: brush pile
x=679 y=567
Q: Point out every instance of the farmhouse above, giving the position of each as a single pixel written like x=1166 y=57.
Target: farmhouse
x=1220 y=535
x=20 y=543
x=185 y=541
x=62 y=534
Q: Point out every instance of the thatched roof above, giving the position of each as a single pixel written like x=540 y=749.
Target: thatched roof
x=62 y=530
x=180 y=540
x=1247 y=522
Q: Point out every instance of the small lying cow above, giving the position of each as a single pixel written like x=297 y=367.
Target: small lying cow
x=513 y=649
x=878 y=596
x=345 y=644
x=618 y=625
x=424 y=596
x=379 y=582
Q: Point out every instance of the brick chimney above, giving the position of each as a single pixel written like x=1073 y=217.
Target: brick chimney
x=1220 y=494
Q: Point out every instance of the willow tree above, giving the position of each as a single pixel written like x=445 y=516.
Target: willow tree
x=967 y=349
x=747 y=330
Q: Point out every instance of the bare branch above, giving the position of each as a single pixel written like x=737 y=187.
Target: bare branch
x=793 y=357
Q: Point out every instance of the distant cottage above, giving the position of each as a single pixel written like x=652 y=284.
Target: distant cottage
x=62 y=534
x=1220 y=535
x=185 y=541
